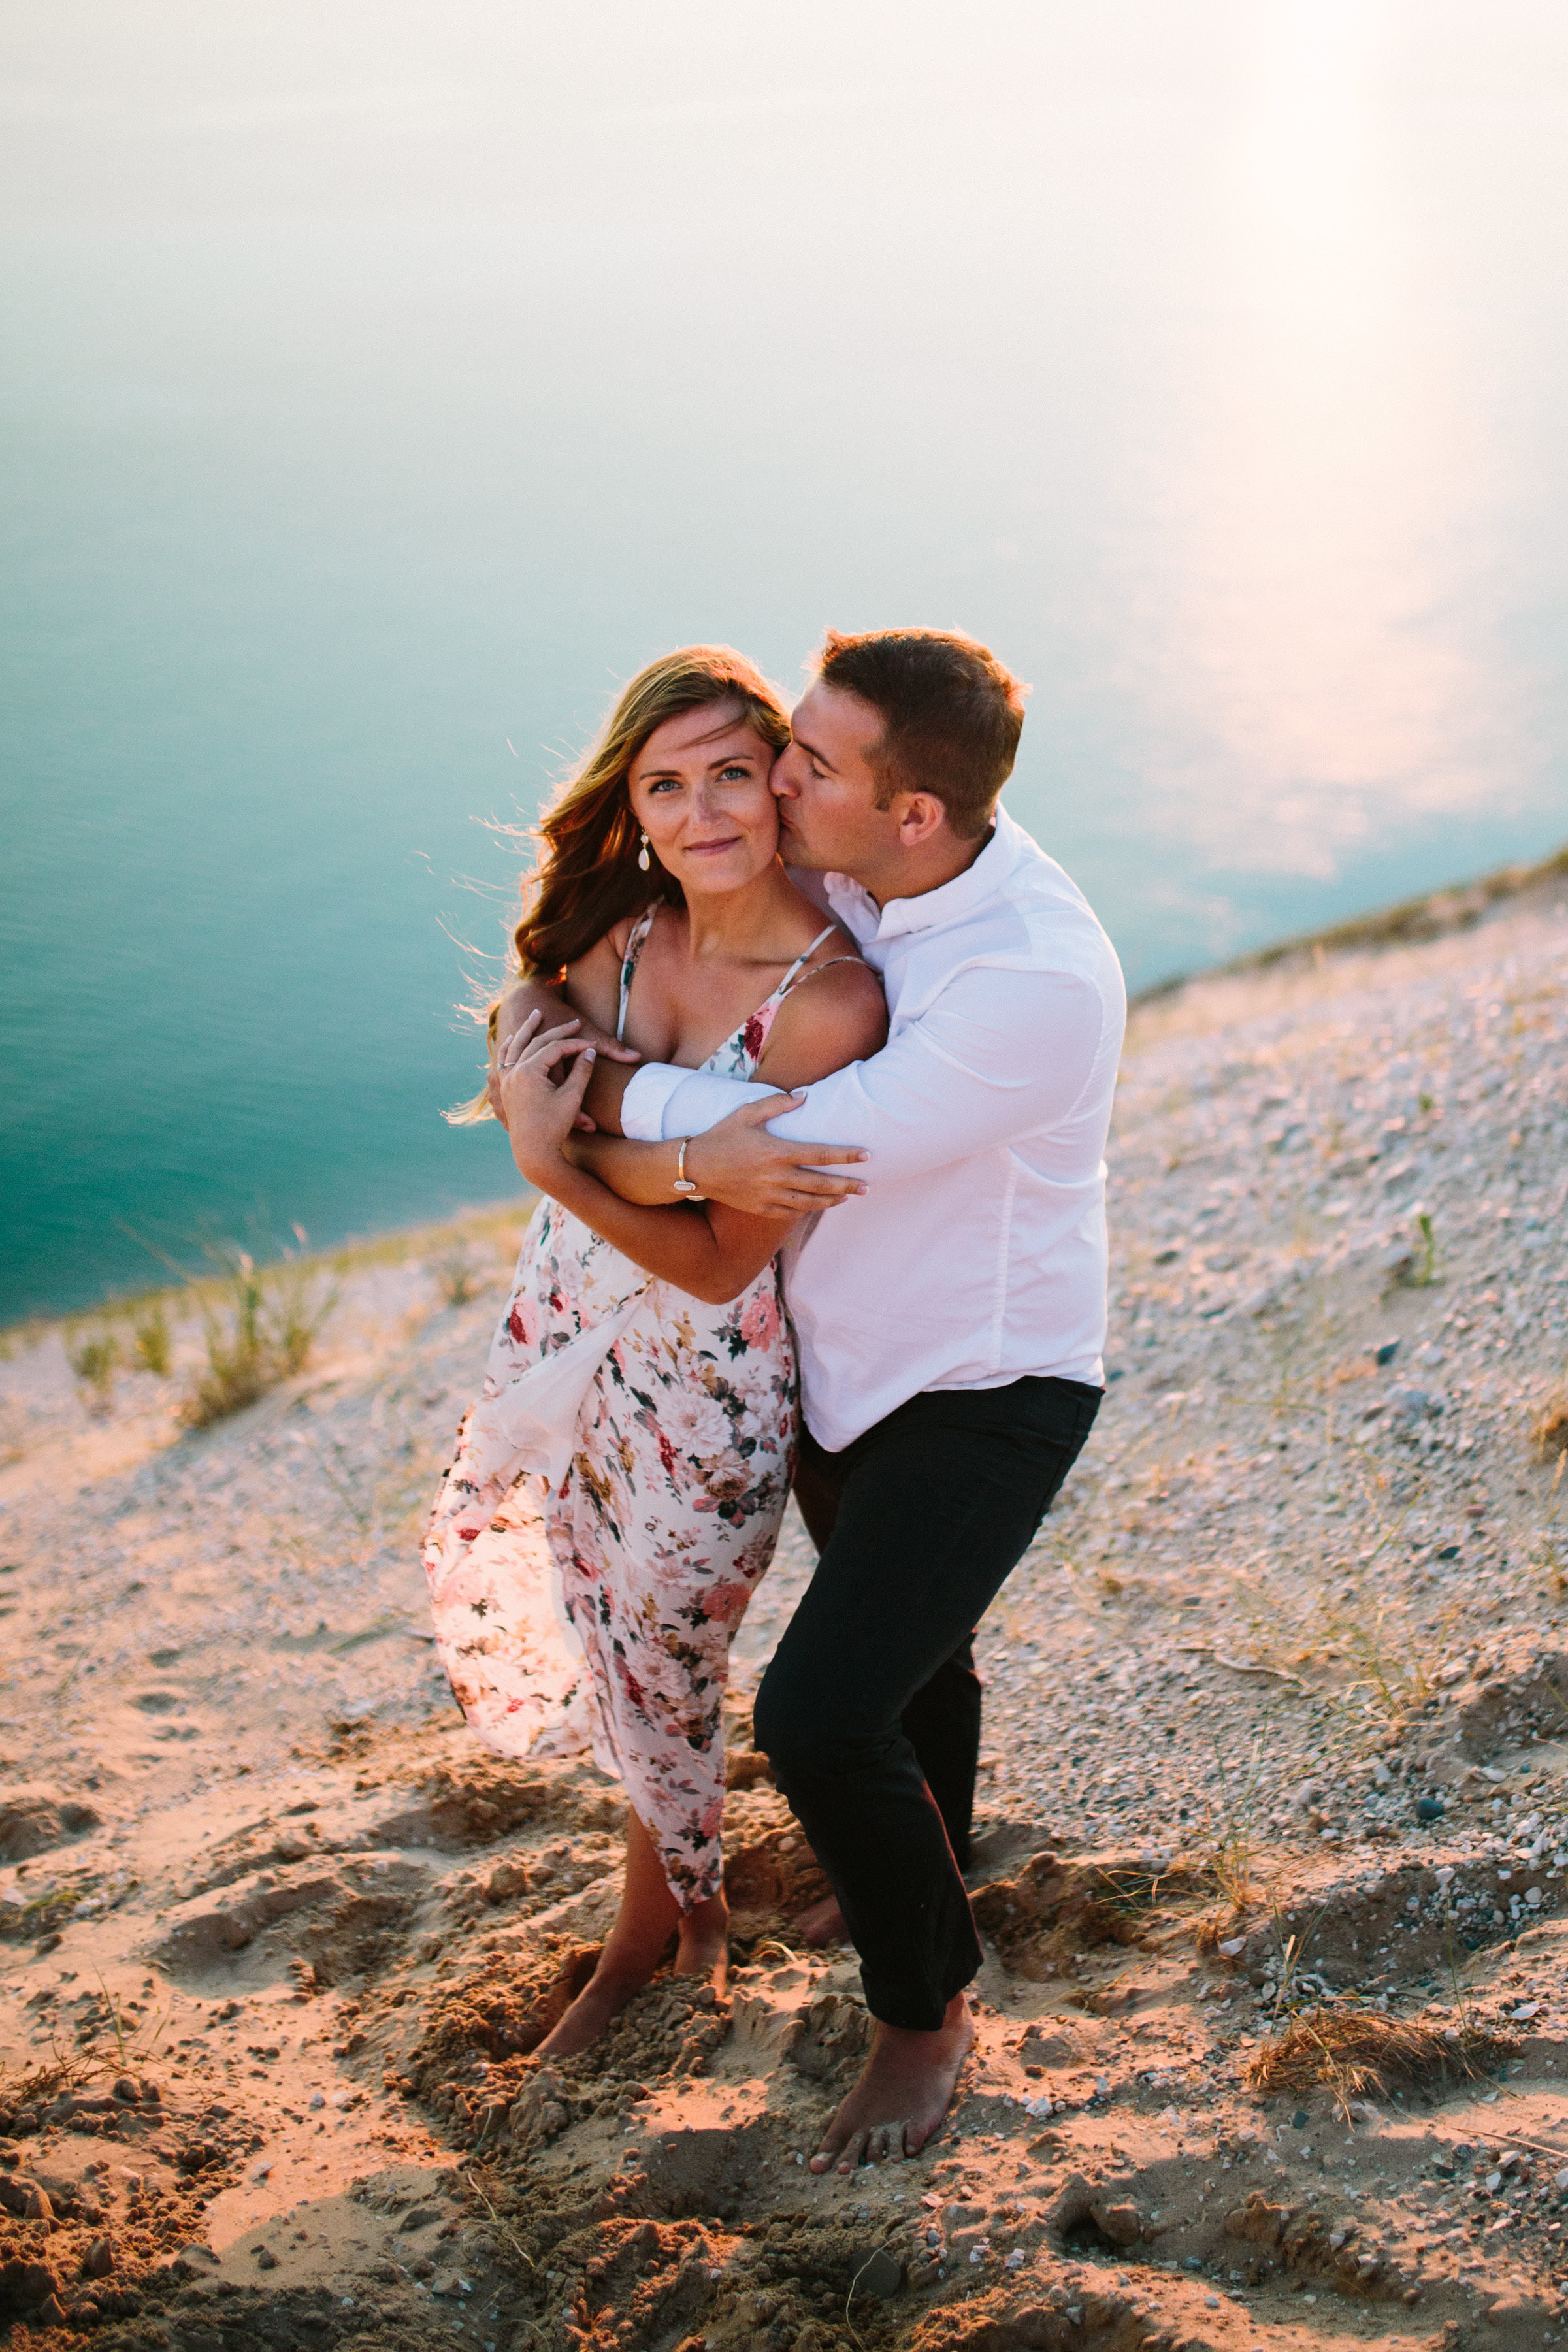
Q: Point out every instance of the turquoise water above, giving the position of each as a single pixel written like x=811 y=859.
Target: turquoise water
x=383 y=386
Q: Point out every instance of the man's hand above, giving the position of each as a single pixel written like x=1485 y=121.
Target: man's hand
x=740 y=1163
x=541 y=1081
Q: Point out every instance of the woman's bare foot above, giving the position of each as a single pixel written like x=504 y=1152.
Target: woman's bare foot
x=605 y=1994
x=635 y=1946
x=822 y=1923
x=902 y=2095
x=704 y=1947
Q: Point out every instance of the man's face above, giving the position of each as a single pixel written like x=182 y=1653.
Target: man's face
x=826 y=788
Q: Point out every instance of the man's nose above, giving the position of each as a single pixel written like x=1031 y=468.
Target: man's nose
x=781 y=783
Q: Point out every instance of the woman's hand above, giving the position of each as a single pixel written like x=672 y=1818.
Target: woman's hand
x=550 y=1006
x=542 y=1076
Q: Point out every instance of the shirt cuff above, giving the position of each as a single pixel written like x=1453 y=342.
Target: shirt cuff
x=646 y=1098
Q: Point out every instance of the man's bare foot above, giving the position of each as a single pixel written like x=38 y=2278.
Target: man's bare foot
x=904 y=2093
x=823 y=1923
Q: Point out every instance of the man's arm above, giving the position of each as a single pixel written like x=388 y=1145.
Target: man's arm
x=828 y=1021
x=999 y=1055
x=709 y=1251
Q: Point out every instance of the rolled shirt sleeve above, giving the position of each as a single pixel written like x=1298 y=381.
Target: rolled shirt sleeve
x=664 y=1100
x=999 y=1053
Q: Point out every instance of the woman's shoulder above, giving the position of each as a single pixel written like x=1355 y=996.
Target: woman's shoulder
x=619 y=936
x=833 y=1013
x=835 y=960
x=820 y=939
x=593 y=982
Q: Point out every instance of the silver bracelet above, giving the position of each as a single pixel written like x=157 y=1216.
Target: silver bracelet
x=683 y=1182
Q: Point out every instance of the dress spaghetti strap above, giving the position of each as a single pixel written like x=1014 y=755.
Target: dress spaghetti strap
x=739 y=1054
x=639 y=932
x=791 y=984
x=806 y=956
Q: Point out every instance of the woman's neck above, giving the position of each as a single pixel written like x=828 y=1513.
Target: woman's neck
x=738 y=926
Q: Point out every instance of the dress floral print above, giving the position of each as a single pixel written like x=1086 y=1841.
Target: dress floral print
x=653 y=1541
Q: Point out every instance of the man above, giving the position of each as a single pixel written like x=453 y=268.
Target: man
x=950 y=1318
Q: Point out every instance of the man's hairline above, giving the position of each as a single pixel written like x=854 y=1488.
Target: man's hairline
x=882 y=769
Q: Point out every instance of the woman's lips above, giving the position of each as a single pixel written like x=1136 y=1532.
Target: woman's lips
x=709 y=848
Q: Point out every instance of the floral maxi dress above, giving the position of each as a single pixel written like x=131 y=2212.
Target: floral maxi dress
x=653 y=1541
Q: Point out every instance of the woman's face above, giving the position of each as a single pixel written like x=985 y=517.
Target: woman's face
x=699 y=789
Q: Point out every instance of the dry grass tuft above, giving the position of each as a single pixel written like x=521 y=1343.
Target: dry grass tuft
x=1229 y=1920
x=95 y=1361
x=1550 y=1428
x=150 y=1342
x=458 y=1275
x=272 y=1320
x=1227 y=1848
x=35 y=2087
x=1353 y=2051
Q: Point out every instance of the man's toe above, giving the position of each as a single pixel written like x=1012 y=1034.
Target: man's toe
x=853 y=2152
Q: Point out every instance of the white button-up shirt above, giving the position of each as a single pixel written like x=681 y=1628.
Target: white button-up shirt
x=978 y=1256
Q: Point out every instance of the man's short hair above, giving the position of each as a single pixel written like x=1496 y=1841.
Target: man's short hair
x=951 y=716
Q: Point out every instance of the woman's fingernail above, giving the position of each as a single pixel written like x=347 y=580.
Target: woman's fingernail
x=588 y=1053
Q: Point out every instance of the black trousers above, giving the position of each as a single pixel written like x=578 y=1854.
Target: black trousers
x=870 y=1711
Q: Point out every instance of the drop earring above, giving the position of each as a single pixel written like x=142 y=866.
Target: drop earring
x=644 y=860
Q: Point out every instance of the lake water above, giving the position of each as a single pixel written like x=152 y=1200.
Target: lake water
x=383 y=385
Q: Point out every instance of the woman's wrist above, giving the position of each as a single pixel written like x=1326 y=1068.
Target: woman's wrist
x=541 y=1165
x=683 y=1181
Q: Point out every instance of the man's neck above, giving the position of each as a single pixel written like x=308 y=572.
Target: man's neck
x=919 y=871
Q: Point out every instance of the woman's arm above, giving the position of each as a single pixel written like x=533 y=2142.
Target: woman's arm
x=590 y=992
x=826 y=1021
x=703 y=1248
x=831 y=1017
x=640 y=1172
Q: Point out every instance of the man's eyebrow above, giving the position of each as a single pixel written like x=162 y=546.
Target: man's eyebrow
x=811 y=750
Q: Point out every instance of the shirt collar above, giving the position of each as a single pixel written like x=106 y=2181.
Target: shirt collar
x=949 y=903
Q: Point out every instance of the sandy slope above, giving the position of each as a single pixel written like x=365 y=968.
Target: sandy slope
x=276 y=1937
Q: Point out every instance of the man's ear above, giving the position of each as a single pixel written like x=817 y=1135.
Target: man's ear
x=920 y=815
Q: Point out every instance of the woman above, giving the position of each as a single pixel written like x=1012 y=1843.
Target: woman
x=633 y=1445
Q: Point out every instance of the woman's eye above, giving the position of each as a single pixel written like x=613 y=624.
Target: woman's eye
x=665 y=784
x=736 y=774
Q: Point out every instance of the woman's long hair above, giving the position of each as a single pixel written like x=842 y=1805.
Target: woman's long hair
x=586 y=878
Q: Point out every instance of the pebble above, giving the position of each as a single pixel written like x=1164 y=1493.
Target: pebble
x=881 y=2275
x=1223 y=1447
